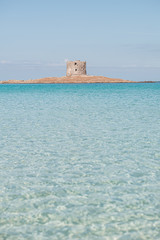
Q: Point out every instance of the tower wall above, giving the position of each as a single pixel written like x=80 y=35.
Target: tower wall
x=76 y=68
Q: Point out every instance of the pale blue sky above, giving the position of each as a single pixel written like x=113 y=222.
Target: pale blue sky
x=117 y=38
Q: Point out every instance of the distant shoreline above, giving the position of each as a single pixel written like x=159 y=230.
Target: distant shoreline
x=73 y=79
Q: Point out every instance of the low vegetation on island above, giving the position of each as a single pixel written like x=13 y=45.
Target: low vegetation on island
x=71 y=79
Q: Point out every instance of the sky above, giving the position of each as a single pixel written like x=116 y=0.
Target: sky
x=117 y=38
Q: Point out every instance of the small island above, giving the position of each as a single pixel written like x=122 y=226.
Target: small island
x=76 y=73
x=65 y=79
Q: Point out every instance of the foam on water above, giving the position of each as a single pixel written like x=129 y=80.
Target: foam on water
x=80 y=161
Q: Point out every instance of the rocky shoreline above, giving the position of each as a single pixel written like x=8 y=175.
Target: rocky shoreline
x=72 y=79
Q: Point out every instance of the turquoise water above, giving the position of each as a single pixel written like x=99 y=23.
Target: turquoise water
x=80 y=161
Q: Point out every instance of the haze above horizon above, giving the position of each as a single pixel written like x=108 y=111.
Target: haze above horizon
x=119 y=39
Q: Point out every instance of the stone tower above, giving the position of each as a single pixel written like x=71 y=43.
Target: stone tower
x=75 y=68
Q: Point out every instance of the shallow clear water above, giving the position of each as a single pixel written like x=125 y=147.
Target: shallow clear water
x=80 y=161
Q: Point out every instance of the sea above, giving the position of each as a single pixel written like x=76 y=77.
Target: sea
x=80 y=161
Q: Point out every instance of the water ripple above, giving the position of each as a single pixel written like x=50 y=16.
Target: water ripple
x=80 y=162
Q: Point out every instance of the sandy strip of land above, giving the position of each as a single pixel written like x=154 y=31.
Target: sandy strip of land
x=73 y=79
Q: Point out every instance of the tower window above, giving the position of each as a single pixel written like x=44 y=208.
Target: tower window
x=75 y=63
x=75 y=69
